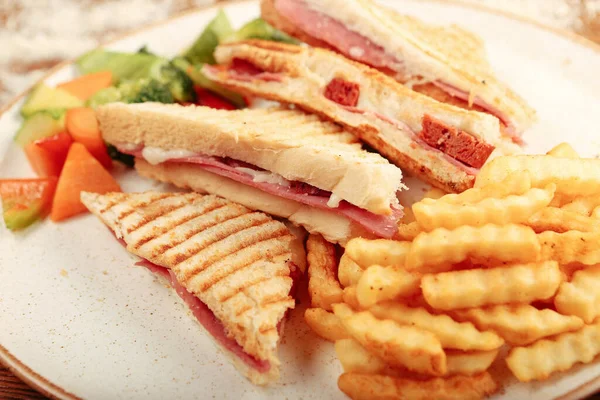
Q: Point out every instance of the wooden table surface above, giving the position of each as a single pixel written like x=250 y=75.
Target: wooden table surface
x=11 y=387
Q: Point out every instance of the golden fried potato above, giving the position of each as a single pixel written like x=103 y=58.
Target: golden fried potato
x=408 y=231
x=355 y=358
x=519 y=324
x=379 y=283
x=432 y=214
x=573 y=177
x=398 y=345
x=583 y=205
x=516 y=183
x=469 y=363
x=349 y=271
x=360 y=386
x=434 y=193
x=485 y=245
x=561 y=220
x=521 y=283
x=546 y=356
x=351 y=298
x=570 y=247
x=581 y=296
x=451 y=334
x=383 y=252
x=596 y=213
x=563 y=150
x=323 y=286
x=325 y=324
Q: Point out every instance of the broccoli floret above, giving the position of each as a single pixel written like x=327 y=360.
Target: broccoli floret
x=145 y=90
x=178 y=82
x=144 y=50
x=108 y=95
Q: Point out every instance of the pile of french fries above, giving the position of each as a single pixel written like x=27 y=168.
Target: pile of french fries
x=513 y=262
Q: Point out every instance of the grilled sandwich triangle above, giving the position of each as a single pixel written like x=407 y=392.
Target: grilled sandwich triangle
x=234 y=260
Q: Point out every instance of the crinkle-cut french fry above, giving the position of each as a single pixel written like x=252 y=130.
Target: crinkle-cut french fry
x=563 y=150
x=325 y=324
x=434 y=193
x=379 y=284
x=355 y=358
x=349 y=271
x=573 y=177
x=560 y=220
x=570 y=247
x=451 y=334
x=583 y=205
x=596 y=213
x=380 y=251
x=480 y=287
x=519 y=324
x=581 y=296
x=432 y=214
x=516 y=183
x=469 y=363
x=407 y=232
x=359 y=386
x=323 y=286
x=484 y=245
x=351 y=298
x=559 y=200
x=398 y=345
x=546 y=356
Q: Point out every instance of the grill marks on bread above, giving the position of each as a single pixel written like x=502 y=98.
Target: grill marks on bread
x=235 y=260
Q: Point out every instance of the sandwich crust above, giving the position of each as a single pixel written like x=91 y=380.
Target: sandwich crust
x=312 y=69
x=335 y=228
x=298 y=146
x=448 y=53
x=234 y=260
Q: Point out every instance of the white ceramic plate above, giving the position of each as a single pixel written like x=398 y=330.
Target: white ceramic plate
x=77 y=319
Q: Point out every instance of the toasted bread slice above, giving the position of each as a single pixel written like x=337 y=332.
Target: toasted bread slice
x=291 y=143
x=394 y=113
x=424 y=52
x=334 y=227
x=236 y=261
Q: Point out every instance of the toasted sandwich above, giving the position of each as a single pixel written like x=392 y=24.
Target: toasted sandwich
x=440 y=143
x=283 y=162
x=447 y=63
x=232 y=266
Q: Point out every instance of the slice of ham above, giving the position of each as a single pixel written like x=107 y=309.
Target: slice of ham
x=207 y=318
x=246 y=71
x=358 y=47
x=382 y=225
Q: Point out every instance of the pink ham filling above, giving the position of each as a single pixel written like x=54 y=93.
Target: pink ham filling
x=382 y=225
x=344 y=40
x=206 y=318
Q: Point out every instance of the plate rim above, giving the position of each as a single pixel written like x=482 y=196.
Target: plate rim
x=52 y=390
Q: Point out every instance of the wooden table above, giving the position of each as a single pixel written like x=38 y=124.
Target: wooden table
x=11 y=387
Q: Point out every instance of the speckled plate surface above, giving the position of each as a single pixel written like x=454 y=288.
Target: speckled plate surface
x=78 y=319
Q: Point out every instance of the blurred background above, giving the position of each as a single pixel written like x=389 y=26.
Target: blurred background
x=37 y=34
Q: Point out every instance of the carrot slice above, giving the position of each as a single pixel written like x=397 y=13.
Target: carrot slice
x=87 y=85
x=83 y=127
x=81 y=172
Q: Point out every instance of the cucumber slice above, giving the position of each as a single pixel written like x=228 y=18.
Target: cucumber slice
x=40 y=125
x=44 y=97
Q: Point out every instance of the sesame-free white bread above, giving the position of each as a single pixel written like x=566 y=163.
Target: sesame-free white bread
x=334 y=227
x=234 y=260
x=291 y=143
x=307 y=71
x=445 y=53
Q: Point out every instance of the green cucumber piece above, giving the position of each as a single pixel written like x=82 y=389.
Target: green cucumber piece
x=40 y=125
x=44 y=97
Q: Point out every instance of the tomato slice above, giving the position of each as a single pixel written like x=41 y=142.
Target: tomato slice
x=24 y=201
x=209 y=99
x=47 y=156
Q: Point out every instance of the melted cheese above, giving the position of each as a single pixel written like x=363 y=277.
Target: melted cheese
x=156 y=155
x=265 y=176
x=334 y=201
